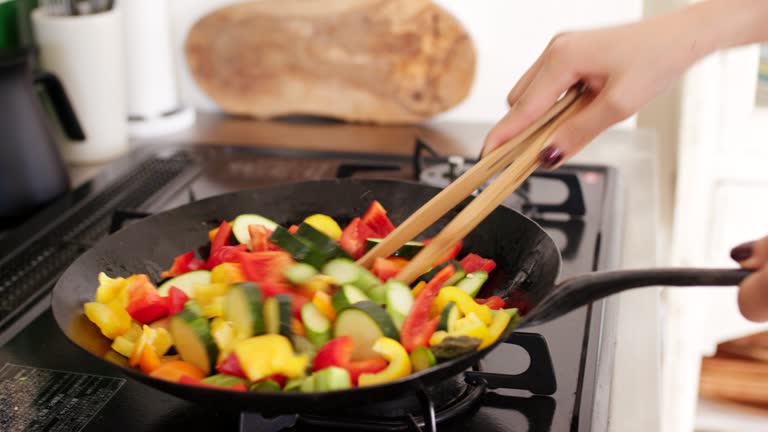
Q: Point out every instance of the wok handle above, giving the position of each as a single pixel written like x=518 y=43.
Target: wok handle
x=585 y=289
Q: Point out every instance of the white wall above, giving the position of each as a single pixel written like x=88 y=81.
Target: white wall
x=508 y=36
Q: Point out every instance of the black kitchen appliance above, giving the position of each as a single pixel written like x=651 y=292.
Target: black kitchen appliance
x=44 y=378
x=31 y=170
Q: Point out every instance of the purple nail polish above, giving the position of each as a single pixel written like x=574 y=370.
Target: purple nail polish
x=742 y=252
x=550 y=156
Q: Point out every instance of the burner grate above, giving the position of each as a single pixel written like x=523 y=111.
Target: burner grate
x=32 y=270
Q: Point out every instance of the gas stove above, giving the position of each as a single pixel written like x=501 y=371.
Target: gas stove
x=546 y=378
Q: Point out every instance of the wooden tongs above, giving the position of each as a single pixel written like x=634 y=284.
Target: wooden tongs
x=520 y=156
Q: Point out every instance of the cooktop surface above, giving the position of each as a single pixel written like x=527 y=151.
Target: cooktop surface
x=47 y=383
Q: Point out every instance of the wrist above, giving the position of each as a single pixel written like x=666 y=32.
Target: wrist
x=723 y=24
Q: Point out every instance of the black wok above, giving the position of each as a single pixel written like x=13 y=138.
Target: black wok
x=528 y=263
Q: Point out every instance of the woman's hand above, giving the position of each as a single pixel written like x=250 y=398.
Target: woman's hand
x=753 y=291
x=624 y=67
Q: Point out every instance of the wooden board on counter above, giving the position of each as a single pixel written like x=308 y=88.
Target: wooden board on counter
x=377 y=61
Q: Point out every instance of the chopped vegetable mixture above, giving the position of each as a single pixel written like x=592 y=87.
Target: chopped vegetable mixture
x=287 y=309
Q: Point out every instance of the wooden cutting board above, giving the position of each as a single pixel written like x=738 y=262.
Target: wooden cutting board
x=378 y=61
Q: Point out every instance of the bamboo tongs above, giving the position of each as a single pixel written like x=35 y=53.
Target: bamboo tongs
x=520 y=156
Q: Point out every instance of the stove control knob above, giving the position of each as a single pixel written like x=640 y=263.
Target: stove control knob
x=455 y=166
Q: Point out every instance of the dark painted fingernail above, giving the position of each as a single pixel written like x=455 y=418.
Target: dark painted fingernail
x=550 y=156
x=742 y=252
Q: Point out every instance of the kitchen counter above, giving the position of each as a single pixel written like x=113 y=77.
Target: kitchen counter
x=636 y=365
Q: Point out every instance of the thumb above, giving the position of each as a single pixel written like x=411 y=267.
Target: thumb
x=578 y=131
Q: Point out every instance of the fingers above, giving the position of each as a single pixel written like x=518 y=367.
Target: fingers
x=751 y=255
x=753 y=291
x=544 y=90
x=525 y=80
x=578 y=131
x=753 y=296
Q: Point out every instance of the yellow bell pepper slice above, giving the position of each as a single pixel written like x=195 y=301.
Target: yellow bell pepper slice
x=399 y=363
x=108 y=319
x=123 y=345
x=437 y=337
x=227 y=273
x=466 y=304
x=500 y=322
x=163 y=341
x=269 y=354
x=417 y=289
x=111 y=288
x=325 y=224
x=472 y=326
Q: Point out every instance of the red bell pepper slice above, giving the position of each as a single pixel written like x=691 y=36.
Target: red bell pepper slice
x=354 y=236
x=265 y=266
x=493 y=302
x=139 y=286
x=222 y=236
x=338 y=352
x=473 y=262
x=148 y=309
x=231 y=366
x=376 y=219
x=418 y=327
x=260 y=238
x=293 y=228
x=224 y=254
x=176 y=300
x=387 y=268
x=182 y=264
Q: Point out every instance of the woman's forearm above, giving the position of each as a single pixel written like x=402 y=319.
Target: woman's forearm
x=722 y=24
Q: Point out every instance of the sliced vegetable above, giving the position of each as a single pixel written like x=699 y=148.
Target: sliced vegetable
x=422 y=358
x=385 y=269
x=224 y=254
x=148 y=309
x=277 y=315
x=493 y=302
x=107 y=319
x=317 y=326
x=346 y=296
x=473 y=263
x=222 y=236
x=332 y=378
x=185 y=282
x=266 y=385
x=191 y=334
x=472 y=326
x=223 y=334
x=325 y=224
x=497 y=328
x=324 y=304
x=322 y=241
x=149 y=360
x=448 y=317
x=211 y=298
x=378 y=295
x=465 y=303
x=407 y=251
x=223 y=380
x=308 y=385
x=319 y=282
x=347 y=272
x=399 y=301
x=163 y=340
x=297 y=326
x=428 y=276
x=174 y=370
x=472 y=282
x=182 y=264
x=437 y=337
x=228 y=273
x=259 y=240
x=418 y=326
x=176 y=300
x=301 y=249
x=123 y=345
x=241 y=223
x=110 y=289
x=365 y=322
x=399 y=363
x=300 y=273
x=243 y=306
x=376 y=219
x=451 y=255
x=231 y=366
x=354 y=236
x=455 y=346
x=294 y=384
x=338 y=352
x=261 y=267
x=270 y=354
